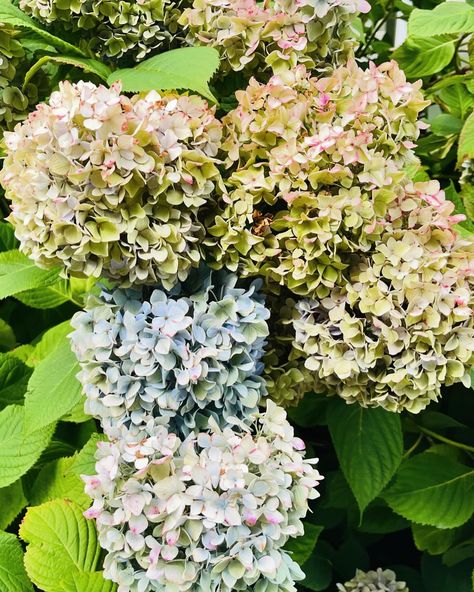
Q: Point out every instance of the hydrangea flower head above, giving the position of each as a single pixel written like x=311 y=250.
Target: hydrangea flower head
x=113 y=29
x=374 y=581
x=147 y=356
x=111 y=186
x=211 y=512
x=313 y=165
x=252 y=35
x=403 y=325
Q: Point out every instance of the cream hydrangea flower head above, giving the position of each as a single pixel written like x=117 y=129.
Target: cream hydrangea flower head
x=252 y=35
x=113 y=29
x=175 y=359
x=403 y=325
x=211 y=512
x=313 y=165
x=111 y=186
x=373 y=581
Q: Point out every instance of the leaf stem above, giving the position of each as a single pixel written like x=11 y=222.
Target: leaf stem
x=414 y=447
x=445 y=440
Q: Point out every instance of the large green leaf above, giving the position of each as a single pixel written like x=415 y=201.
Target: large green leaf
x=53 y=389
x=433 y=490
x=18 y=273
x=457 y=98
x=301 y=548
x=19 y=451
x=189 y=68
x=56 y=480
x=91 y=582
x=12 y=502
x=46 y=296
x=422 y=57
x=466 y=140
x=446 y=18
x=62 y=545
x=49 y=342
x=434 y=540
x=13 y=576
x=13 y=16
x=369 y=447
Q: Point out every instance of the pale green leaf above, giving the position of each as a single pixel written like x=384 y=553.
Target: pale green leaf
x=302 y=547
x=369 y=447
x=12 y=502
x=445 y=124
x=18 y=273
x=48 y=342
x=76 y=414
x=13 y=16
x=84 y=462
x=47 y=296
x=62 y=545
x=423 y=57
x=91 y=582
x=433 y=540
x=446 y=18
x=189 y=68
x=87 y=64
x=13 y=576
x=19 y=451
x=466 y=140
x=56 y=480
x=433 y=490
x=458 y=99
x=53 y=389
x=467 y=196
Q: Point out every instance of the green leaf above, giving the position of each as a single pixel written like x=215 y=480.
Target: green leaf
x=18 y=451
x=18 y=273
x=438 y=577
x=457 y=99
x=47 y=296
x=49 y=342
x=53 y=389
x=13 y=576
x=87 y=64
x=433 y=491
x=84 y=462
x=91 y=582
x=318 y=569
x=466 y=140
x=423 y=57
x=301 y=548
x=7 y=337
x=8 y=241
x=446 y=18
x=11 y=15
x=12 y=502
x=445 y=124
x=459 y=553
x=189 y=68
x=369 y=447
x=433 y=540
x=467 y=196
x=62 y=545
x=57 y=481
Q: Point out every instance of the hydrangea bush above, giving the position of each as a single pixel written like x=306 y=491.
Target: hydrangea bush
x=255 y=36
x=313 y=164
x=108 y=185
x=211 y=512
x=177 y=358
x=374 y=581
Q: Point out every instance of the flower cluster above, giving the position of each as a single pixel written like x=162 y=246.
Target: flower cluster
x=373 y=581
x=276 y=35
x=313 y=166
x=403 y=324
x=211 y=512
x=108 y=185
x=176 y=360
x=14 y=102
x=114 y=29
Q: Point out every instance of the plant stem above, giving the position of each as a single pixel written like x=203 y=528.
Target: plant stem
x=446 y=440
x=410 y=451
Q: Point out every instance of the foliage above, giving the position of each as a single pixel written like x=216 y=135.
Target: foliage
x=308 y=176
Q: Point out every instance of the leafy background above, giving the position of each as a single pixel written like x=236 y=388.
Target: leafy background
x=399 y=489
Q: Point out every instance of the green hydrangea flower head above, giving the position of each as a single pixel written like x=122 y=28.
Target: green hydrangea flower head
x=374 y=581
x=114 y=28
x=210 y=512
x=14 y=102
x=175 y=359
x=403 y=325
x=107 y=185
x=255 y=36
x=313 y=165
